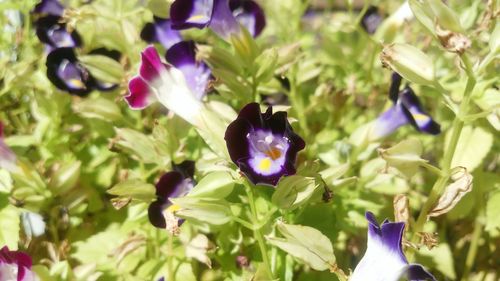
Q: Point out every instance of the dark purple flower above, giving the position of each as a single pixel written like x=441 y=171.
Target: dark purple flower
x=174 y=184
x=15 y=265
x=384 y=259
x=263 y=145
x=160 y=31
x=406 y=109
x=371 y=20
x=67 y=73
x=49 y=8
x=218 y=15
x=54 y=34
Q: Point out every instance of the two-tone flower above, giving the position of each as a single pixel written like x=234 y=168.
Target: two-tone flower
x=160 y=31
x=263 y=145
x=174 y=184
x=384 y=259
x=406 y=109
x=179 y=84
x=7 y=156
x=224 y=17
x=15 y=266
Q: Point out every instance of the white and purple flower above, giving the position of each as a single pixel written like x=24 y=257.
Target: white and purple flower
x=406 y=109
x=179 y=86
x=384 y=259
x=263 y=145
x=15 y=266
x=174 y=184
x=222 y=16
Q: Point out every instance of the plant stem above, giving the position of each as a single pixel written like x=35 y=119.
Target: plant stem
x=471 y=254
x=457 y=127
x=170 y=265
x=257 y=233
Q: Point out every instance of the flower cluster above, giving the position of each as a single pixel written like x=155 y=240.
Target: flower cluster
x=64 y=69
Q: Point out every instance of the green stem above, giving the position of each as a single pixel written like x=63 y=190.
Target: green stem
x=432 y=168
x=457 y=127
x=257 y=233
x=170 y=265
x=471 y=254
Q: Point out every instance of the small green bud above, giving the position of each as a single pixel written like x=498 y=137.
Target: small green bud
x=409 y=62
x=404 y=156
x=65 y=177
x=445 y=17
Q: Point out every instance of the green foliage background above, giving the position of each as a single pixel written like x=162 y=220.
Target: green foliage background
x=88 y=165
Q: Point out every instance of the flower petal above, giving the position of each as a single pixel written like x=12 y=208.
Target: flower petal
x=169 y=185
x=49 y=7
x=183 y=56
x=161 y=31
x=418 y=272
x=388 y=122
x=155 y=214
x=223 y=21
x=51 y=32
x=140 y=94
x=191 y=13
x=7 y=156
x=416 y=115
x=371 y=20
x=151 y=65
x=249 y=14
x=67 y=74
x=395 y=85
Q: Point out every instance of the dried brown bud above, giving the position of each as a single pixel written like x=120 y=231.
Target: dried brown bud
x=452 y=41
x=462 y=184
x=430 y=240
x=401 y=210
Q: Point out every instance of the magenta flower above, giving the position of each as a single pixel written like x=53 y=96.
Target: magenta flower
x=7 y=156
x=15 y=265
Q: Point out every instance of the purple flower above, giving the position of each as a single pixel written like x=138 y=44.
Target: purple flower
x=263 y=145
x=222 y=16
x=160 y=31
x=49 y=8
x=7 y=156
x=54 y=34
x=179 y=86
x=68 y=74
x=174 y=184
x=371 y=20
x=15 y=265
x=406 y=109
x=384 y=259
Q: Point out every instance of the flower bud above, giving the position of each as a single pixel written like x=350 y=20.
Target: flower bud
x=409 y=62
x=404 y=156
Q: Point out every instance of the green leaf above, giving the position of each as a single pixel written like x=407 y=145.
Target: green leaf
x=140 y=145
x=404 y=156
x=306 y=244
x=473 y=146
x=493 y=212
x=99 y=108
x=65 y=177
x=441 y=258
x=103 y=68
x=210 y=211
x=134 y=188
x=294 y=191
x=216 y=185
x=9 y=232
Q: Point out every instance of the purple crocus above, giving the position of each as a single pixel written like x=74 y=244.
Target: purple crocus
x=15 y=265
x=263 y=145
x=54 y=34
x=179 y=86
x=174 y=184
x=160 y=30
x=406 y=109
x=384 y=259
x=222 y=16
x=7 y=156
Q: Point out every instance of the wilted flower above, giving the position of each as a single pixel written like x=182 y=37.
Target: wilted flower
x=371 y=20
x=15 y=265
x=263 y=145
x=384 y=259
x=160 y=30
x=179 y=86
x=174 y=184
x=406 y=109
x=222 y=16
x=7 y=156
